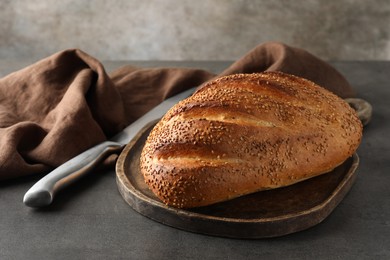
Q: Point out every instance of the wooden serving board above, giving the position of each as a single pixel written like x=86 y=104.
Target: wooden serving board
x=263 y=214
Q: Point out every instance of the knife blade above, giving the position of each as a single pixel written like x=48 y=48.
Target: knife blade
x=42 y=193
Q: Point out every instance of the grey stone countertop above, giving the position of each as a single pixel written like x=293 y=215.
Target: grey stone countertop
x=90 y=220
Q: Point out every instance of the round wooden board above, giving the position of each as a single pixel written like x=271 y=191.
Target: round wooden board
x=263 y=214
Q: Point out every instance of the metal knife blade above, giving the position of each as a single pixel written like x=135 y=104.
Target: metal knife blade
x=42 y=193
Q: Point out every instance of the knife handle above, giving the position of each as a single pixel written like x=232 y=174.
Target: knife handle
x=42 y=193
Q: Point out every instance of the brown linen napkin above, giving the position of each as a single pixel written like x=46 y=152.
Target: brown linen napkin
x=62 y=105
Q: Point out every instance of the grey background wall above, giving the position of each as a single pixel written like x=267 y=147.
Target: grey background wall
x=193 y=29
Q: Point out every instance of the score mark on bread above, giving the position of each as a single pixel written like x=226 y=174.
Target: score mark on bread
x=245 y=133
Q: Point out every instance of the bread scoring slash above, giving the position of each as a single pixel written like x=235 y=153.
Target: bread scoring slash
x=245 y=133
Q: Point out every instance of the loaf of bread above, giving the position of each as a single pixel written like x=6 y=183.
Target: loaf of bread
x=245 y=133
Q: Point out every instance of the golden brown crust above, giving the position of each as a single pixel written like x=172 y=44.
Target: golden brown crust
x=244 y=133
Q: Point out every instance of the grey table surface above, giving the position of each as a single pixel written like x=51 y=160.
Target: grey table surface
x=91 y=220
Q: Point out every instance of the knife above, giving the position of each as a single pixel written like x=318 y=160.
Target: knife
x=43 y=192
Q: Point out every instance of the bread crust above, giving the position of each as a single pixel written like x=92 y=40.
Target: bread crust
x=245 y=133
